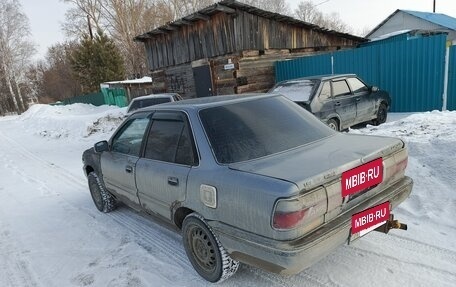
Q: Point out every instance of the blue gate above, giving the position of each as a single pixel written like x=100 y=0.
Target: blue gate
x=410 y=69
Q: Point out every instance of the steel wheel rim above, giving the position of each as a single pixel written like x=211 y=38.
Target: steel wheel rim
x=202 y=249
x=332 y=126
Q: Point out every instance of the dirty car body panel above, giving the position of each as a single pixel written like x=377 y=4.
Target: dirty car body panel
x=344 y=98
x=274 y=172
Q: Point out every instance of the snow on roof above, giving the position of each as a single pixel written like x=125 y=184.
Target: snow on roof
x=143 y=80
x=389 y=35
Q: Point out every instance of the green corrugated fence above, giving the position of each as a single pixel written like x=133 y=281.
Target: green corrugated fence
x=95 y=99
x=115 y=96
x=107 y=96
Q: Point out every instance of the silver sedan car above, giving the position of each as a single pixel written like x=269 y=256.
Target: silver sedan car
x=253 y=179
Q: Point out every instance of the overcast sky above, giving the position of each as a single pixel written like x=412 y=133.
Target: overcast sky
x=46 y=16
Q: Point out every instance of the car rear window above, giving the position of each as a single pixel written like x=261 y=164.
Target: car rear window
x=147 y=102
x=257 y=128
x=297 y=91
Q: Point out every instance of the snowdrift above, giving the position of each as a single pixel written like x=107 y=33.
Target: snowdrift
x=71 y=121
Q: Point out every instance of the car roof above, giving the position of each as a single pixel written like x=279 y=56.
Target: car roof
x=154 y=96
x=207 y=102
x=320 y=77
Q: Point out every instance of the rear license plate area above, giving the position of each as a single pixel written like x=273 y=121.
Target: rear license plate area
x=369 y=219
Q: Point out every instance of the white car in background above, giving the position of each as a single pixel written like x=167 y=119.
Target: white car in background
x=151 y=100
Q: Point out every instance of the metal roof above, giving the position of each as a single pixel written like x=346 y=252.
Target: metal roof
x=229 y=7
x=436 y=18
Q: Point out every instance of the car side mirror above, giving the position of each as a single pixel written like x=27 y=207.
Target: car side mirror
x=374 y=89
x=101 y=146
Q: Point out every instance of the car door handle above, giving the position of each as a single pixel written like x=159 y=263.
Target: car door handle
x=129 y=169
x=358 y=99
x=173 y=180
x=337 y=103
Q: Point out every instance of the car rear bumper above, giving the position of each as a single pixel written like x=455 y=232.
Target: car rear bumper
x=291 y=257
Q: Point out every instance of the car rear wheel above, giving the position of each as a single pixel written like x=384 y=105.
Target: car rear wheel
x=205 y=251
x=381 y=115
x=332 y=123
x=102 y=199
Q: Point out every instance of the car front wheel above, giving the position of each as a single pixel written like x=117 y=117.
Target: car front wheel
x=205 y=251
x=103 y=200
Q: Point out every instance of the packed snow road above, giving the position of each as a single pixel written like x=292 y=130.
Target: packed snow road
x=51 y=234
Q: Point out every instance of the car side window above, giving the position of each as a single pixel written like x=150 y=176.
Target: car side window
x=128 y=140
x=356 y=85
x=325 y=91
x=170 y=141
x=340 y=88
x=184 y=153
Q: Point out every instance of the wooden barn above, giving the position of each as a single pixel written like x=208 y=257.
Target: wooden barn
x=231 y=47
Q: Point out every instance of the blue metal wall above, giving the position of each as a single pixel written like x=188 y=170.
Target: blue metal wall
x=410 y=70
x=451 y=97
x=303 y=67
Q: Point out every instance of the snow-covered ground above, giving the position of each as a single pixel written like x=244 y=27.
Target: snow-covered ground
x=52 y=235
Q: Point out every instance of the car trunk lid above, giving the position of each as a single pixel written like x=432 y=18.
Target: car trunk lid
x=322 y=161
x=320 y=170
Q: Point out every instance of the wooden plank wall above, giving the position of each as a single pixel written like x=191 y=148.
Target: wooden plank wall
x=254 y=70
x=225 y=34
x=254 y=32
x=177 y=79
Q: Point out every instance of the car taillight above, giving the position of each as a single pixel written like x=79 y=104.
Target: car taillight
x=287 y=220
x=293 y=212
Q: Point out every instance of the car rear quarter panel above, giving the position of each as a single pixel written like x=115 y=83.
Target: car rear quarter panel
x=244 y=200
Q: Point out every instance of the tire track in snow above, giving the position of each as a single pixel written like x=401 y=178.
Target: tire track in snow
x=13 y=266
x=149 y=234
x=387 y=257
x=431 y=248
x=153 y=237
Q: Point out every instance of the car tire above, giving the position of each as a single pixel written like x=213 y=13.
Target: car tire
x=333 y=124
x=102 y=199
x=382 y=114
x=204 y=250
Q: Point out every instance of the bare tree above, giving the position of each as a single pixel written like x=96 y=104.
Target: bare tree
x=308 y=12
x=16 y=50
x=122 y=20
x=78 y=17
x=34 y=76
x=58 y=81
x=127 y=19
x=182 y=8
x=276 y=6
